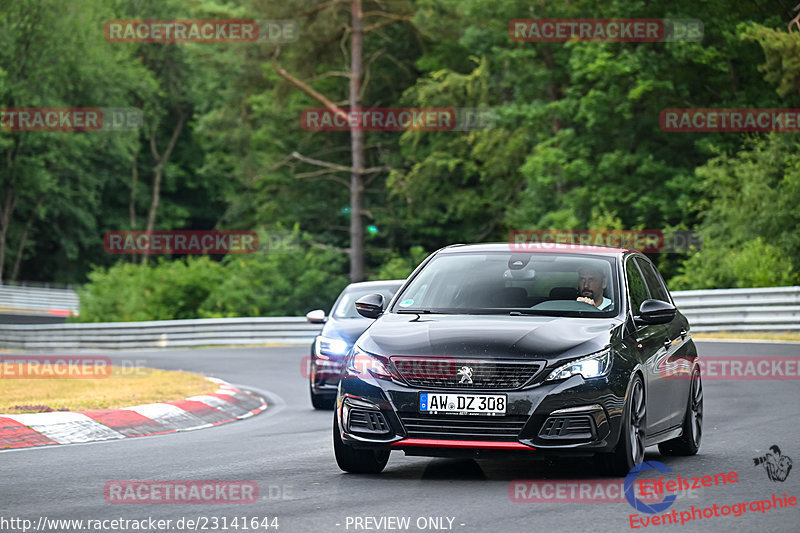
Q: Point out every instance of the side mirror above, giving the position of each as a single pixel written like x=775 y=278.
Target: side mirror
x=317 y=316
x=370 y=306
x=655 y=312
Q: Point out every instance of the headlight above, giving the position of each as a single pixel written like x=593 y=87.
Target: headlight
x=325 y=347
x=361 y=363
x=592 y=366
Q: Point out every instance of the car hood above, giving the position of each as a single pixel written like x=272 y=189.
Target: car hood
x=347 y=329
x=530 y=337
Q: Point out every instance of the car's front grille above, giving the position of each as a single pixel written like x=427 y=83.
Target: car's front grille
x=463 y=427
x=567 y=427
x=466 y=374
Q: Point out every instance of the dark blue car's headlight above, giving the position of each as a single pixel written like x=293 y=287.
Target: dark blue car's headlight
x=592 y=366
x=326 y=347
x=362 y=363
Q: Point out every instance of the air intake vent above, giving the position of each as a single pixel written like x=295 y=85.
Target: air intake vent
x=568 y=427
x=362 y=421
x=453 y=427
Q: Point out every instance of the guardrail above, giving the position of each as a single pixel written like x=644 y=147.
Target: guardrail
x=35 y=301
x=159 y=333
x=713 y=310
x=764 y=309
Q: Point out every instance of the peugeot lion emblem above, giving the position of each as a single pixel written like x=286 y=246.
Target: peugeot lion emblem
x=466 y=375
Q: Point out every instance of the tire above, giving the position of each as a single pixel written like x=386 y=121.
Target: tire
x=354 y=460
x=320 y=401
x=689 y=442
x=630 y=447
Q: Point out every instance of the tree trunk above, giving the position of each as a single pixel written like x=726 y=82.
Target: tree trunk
x=23 y=239
x=135 y=259
x=5 y=221
x=158 y=172
x=554 y=92
x=151 y=216
x=357 y=146
x=134 y=182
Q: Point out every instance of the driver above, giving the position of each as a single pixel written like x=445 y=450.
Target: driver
x=591 y=283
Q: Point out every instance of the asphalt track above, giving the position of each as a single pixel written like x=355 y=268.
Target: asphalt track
x=287 y=450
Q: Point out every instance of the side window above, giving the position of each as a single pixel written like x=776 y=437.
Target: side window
x=653 y=280
x=636 y=286
x=663 y=283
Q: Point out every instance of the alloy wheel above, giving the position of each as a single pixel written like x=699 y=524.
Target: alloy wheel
x=637 y=423
x=697 y=409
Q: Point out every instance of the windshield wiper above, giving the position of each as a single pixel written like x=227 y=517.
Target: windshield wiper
x=556 y=314
x=418 y=312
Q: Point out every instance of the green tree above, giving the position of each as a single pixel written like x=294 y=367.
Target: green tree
x=578 y=142
x=52 y=54
x=750 y=220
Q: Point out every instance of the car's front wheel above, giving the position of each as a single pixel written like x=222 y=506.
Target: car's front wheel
x=354 y=460
x=630 y=447
x=689 y=442
x=320 y=401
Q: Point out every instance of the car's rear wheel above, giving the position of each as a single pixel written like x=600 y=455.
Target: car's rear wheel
x=354 y=460
x=630 y=447
x=689 y=442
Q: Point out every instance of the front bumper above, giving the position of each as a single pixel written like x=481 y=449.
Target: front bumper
x=571 y=417
x=325 y=375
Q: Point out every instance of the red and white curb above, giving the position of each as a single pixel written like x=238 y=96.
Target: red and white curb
x=40 y=429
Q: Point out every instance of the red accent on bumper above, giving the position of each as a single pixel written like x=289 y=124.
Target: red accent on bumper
x=469 y=444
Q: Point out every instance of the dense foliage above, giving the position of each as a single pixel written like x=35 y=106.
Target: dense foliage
x=576 y=144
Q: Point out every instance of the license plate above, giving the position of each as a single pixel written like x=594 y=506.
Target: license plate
x=480 y=404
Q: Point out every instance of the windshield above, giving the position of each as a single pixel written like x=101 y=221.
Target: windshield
x=345 y=307
x=514 y=283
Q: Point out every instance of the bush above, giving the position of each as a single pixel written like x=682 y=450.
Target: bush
x=756 y=264
x=277 y=284
x=750 y=217
x=162 y=290
x=287 y=281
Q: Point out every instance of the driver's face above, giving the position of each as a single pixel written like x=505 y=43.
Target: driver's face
x=591 y=284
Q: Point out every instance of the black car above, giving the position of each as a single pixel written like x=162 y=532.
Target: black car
x=340 y=331
x=550 y=350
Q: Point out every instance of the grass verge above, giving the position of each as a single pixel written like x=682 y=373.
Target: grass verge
x=124 y=387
